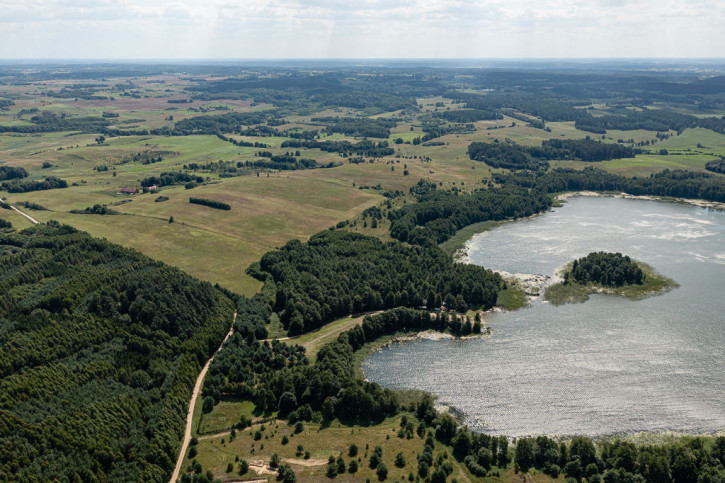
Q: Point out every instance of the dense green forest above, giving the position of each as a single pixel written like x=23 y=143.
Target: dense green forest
x=278 y=377
x=674 y=183
x=514 y=156
x=100 y=349
x=650 y=120
x=438 y=214
x=608 y=269
x=337 y=273
x=48 y=121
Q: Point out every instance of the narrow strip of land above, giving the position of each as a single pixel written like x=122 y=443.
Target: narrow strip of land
x=192 y=404
x=32 y=220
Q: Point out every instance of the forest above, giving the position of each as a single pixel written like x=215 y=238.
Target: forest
x=101 y=347
x=674 y=183
x=607 y=269
x=337 y=273
x=511 y=155
x=438 y=214
x=48 y=121
x=650 y=120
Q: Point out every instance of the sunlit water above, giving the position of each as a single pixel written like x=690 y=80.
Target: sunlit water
x=606 y=366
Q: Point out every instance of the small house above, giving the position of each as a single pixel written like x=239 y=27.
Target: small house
x=129 y=191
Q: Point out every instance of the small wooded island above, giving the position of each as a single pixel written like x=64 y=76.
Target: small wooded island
x=611 y=273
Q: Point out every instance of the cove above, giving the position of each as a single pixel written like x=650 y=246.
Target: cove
x=607 y=366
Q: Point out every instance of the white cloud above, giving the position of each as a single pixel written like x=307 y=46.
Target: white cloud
x=362 y=28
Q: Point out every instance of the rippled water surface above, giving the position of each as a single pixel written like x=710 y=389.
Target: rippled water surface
x=609 y=365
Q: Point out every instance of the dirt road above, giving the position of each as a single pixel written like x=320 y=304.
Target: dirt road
x=192 y=404
x=32 y=220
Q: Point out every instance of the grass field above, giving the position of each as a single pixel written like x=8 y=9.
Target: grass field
x=313 y=341
x=269 y=209
x=224 y=415
x=321 y=442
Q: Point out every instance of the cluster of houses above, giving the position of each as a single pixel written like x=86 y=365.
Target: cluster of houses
x=134 y=191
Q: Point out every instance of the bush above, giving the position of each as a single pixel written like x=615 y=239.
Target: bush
x=208 y=404
x=375 y=460
x=210 y=203
x=382 y=472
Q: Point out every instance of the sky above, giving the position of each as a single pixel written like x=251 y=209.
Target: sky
x=288 y=29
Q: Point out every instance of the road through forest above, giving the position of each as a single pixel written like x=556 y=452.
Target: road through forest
x=192 y=405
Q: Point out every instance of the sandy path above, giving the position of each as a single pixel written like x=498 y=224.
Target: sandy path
x=192 y=404
x=308 y=463
x=32 y=220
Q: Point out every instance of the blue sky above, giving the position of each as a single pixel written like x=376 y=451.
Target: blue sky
x=154 y=29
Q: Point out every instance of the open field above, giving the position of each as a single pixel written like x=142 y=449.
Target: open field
x=313 y=341
x=268 y=207
x=321 y=442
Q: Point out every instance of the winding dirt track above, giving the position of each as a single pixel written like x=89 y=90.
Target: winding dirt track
x=192 y=404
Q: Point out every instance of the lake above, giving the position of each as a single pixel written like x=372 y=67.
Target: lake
x=609 y=365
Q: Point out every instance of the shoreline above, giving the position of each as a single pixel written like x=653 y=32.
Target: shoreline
x=461 y=254
x=714 y=205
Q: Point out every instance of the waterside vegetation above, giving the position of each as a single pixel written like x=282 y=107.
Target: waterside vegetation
x=606 y=273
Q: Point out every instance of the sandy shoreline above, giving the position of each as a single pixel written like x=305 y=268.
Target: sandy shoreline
x=714 y=205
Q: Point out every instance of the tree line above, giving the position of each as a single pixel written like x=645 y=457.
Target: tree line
x=170 y=178
x=12 y=172
x=650 y=120
x=511 y=155
x=219 y=205
x=345 y=148
x=358 y=126
x=717 y=166
x=469 y=115
x=438 y=214
x=675 y=183
x=24 y=186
